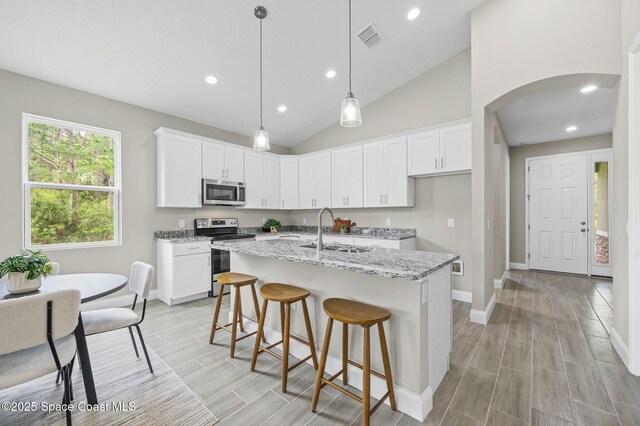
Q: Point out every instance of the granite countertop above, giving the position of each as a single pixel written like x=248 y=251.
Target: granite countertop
x=356 y=232
x=178 y=240
x=392 y=263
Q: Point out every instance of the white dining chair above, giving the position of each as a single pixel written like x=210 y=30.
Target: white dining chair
x=36 y=338
x=102 y=320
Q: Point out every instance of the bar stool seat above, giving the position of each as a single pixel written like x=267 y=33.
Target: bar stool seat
x=355 y=313
x=236 y=280
x=285 y=295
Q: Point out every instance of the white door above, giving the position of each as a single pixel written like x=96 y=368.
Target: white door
x=254 y=180
x=212 y=161
x=455 y=148
x=271 y=182
x=396 y=186
x=323 y=180
x=234 y=164
x=373 y=174
x=192 y=274
x=339 y=178
x=558 y=214
x=354 y=177
x=289 y=182
x=424 y=153
x=306 y=183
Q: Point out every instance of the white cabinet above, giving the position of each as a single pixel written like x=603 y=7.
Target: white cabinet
x=289 y=183
x=446 y=150
x=314 y=182
x=262 y=180
x=184 y=271
x=405 y=244
x=386 y=183
x=178 y=173
x=222 y=162
x=346 y=177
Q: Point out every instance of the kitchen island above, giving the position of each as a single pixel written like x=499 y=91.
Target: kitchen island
x=415 y=286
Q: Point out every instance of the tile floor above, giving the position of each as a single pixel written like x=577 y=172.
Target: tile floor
x=544 y=359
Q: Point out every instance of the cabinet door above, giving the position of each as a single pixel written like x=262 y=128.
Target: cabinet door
x=354 y=178
x=254 y=180
x=179 y=171
x=289 y=183
x=373 y=174
x=455 y=148
x=192 y=275
x=212 y=160
x=323 y=180
x=234 y=164
x=397 y=182
x=339 y=178
x=271 y=182
x=424 y=153
x=306 y=187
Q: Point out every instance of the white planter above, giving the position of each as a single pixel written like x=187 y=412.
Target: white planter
x=17 y=282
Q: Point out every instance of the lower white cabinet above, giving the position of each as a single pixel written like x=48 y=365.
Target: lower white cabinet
x=184 y=271
x=406 y=244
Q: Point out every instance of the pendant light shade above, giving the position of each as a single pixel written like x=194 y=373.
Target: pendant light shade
x=261 y=137
x=350 y=113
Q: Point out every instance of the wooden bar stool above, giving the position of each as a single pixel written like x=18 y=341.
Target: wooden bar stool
x=356 y=313
x=286 y=295
x=236 y=280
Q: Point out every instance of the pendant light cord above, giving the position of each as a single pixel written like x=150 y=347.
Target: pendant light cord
x=349 y=46
x=261 y=127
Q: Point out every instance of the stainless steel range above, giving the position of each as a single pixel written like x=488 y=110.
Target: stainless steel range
x=219 y=230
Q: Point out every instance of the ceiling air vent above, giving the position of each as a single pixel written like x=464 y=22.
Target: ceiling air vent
x=370 y=35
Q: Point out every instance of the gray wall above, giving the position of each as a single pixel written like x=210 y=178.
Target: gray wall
x=517 y=177
x=439 y=95
x=140 y=217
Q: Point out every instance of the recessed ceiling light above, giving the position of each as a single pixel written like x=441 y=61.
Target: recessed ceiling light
x=571 y=128
x=587 y=89
x=282 y=108
x=211 y=79
x=413 y=14
x=330 y=74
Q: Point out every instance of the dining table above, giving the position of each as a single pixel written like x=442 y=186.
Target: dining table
x=92 y=286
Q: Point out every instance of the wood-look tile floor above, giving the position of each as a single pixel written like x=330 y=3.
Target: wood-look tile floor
x=543 y=359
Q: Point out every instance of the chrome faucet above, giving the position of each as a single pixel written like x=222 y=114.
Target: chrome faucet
x=320 y=246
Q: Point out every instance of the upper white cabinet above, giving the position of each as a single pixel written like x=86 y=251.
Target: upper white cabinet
x=346 y=177
x=179 y=172
x=446 y=150
x=385 y=174
x=262 y=180
x=314 y=181
x=288 y=183
x=222 y=162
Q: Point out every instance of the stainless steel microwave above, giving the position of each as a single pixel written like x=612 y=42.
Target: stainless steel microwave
x=222 y=193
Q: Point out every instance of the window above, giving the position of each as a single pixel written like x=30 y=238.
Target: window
x=71 y=182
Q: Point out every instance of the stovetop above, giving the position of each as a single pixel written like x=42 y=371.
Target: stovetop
x=218 y=229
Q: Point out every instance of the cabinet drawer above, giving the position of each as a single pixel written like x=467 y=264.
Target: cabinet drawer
x=180 y=249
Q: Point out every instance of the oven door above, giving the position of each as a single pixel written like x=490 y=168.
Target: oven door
x=220 y=263
x=218 y=193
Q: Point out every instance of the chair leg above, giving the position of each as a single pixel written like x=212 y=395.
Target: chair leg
x=144 y=348
x=282 y=314
x=135 y=347
x=312 y=345
x=257 y=307
x=236 y=312
x=67 y=392
x=323 y=362
x=71 y=378
x=214 y=324
x=345 y=352
x=240 y=317
x=366 y=377
x=285 y=346
x=260 y=332
x=59 y=376
x=387 y=366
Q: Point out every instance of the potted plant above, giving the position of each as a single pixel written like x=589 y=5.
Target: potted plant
x=270 y=225
x=25 y=271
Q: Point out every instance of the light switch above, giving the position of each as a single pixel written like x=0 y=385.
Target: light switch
x=388 y=221
x=181 y=223
x=304 y=220
x=451 y=222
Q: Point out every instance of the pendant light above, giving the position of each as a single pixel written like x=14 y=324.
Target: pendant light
x=261 y=138
x=350 y=114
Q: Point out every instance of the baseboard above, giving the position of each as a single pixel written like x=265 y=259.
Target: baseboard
x=463 y=296
x=114 y=302
x=408 y=402
x=620 y=346
x=482 y=317
x=520 y=266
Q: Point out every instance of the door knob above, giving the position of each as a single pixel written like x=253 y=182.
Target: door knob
x=583 y=223
x=583 y=230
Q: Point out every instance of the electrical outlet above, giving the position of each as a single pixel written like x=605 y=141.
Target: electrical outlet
x=181 y=223
x=304 y=220
x=388 y=221
x=488 y=224
x=451 y=222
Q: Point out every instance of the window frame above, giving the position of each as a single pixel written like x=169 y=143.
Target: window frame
x=28 y=185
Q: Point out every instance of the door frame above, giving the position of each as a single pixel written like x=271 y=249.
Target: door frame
x=592 y=160
x=527 y=162
x=507 y=213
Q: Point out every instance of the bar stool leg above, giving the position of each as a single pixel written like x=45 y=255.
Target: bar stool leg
x=256 y=307
x=282 y=317
x=240 y=317
x=214 y=324
x=387 y=366
x=366 y=377
x=307 y=323
x=285 y=346
x=323 y=363
x=345 y=352
x=256 y=346
x=236 y=312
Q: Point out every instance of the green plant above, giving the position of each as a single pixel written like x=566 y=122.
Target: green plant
x=33 y=263
x=271 y=222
